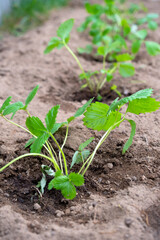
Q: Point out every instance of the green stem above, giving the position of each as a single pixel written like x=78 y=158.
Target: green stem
x=26 y=155
x=111 y=71
x=103 y=138
x=50 y=151
x=26 y=130
x=64 y=142
x=28 y=112
x=17 y=125
x=64 y=159
x=53 y=151
x=79 y=64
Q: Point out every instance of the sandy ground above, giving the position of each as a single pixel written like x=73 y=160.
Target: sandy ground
x=122 y=202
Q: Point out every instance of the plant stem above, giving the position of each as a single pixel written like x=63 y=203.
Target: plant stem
x=64 y=142
x=17 y=125
x=79 y=64
x=64 y=159
x=104 y=62
x=50 y=151
x=26 y=130
x=111 y=71
x=28 y=155
x=103 y=138
x=28 y=112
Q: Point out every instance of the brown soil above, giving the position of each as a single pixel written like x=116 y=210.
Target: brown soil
x=121 y=202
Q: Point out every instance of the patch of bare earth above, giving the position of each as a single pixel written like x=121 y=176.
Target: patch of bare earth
x=121 y=196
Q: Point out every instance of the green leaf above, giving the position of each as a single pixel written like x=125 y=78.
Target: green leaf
x=124 y=57
x=57 y=126
x=5 y=104
x=47 y=170
x=152 y=15
x=54 y=43
x=30 y=141
x=138 y=106
x=142 y=94
x=69 y=191
x=96 y=117
x=65 y=29
x=126 y=27
x=42 y=183
x=114 y=88
x=31 y=95
x=13 y=108
x=63 y=183
x=130 y=140
x=85 y=144
x=94 y=8
x=109 y=77
x=38 y=143
x=35 y=126
x=79 y=157
x=136 y=46
x=51 y=117
x=141 y=34
x=153 y=48
x=88 y=49
x=152 y=25
x=58 y=173
x=104 y=50
x=77 y=179
x=58 y=182
x=126 y=69
x=82 y=109
x=70 y=119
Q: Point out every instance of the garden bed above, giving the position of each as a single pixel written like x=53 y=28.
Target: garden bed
x=121 y=196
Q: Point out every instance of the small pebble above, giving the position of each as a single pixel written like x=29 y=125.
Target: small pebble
x=99 y=180
x=134 y=178
x=128 y=222
x=126 y=92
x=90 y=208
x=110 y=165
x=37 y=207
x=144 y=178
x=59 y=213
x=72 y=208
x=1 y=191
x=1 y=161
x=108 y=182
x=67 y=211
x=84 y=101
x=94 y=204
x=6 y=195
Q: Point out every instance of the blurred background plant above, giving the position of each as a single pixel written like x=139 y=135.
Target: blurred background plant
x=21 y=15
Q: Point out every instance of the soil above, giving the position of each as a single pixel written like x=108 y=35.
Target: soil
x=121 y=195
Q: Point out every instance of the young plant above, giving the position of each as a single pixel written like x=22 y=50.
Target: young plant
x=114 y=21
x=97 y=116
x=97 y=79
x=40 y=139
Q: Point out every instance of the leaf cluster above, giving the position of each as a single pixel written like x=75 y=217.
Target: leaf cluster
x=114 y=21
x=100 y=116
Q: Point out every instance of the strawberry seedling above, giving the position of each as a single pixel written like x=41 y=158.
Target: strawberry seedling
x=114 y=21
x=97 y=116
x=97 y=79
x=40 y=139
